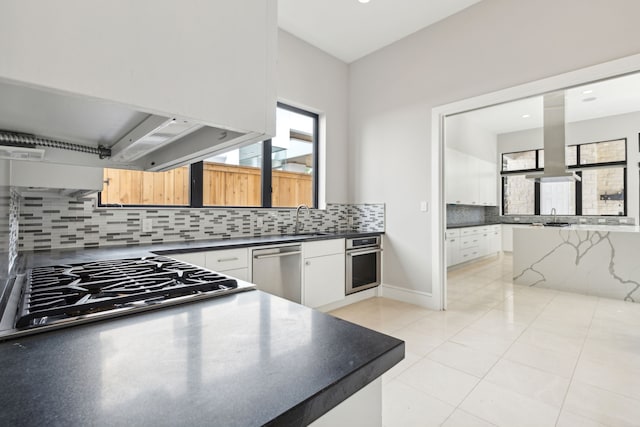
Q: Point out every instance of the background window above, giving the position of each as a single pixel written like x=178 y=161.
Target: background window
x=603 y=191
x=558 y=195
x=518 y=195
x=524 y=160
x=603 y=152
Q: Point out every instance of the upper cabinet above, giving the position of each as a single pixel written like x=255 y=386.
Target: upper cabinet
x=212 y=63
x=470 y=180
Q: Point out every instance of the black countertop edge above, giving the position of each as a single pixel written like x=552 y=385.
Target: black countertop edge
x=330 y=397
x=474 y=224
x=31 y=259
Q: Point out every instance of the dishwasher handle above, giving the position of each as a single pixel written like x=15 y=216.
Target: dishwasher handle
x=277 y=255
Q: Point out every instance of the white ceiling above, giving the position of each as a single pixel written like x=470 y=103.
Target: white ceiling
x=349 y=30
x=612 y=97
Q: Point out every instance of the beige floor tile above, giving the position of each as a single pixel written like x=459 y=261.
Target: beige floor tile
x=439 y=381
x=614 y=352
x=531 y=382
x=552 y=341
x=504 y=407
x=603 y=406
x=567 y=419
x=461 y=418
x=466 y=359
x=480 y=340
x=554 y=362
x=404 y=406
x=611 y=377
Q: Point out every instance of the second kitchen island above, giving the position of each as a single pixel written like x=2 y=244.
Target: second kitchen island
x=587 y=259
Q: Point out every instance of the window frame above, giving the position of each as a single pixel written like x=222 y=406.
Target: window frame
x=196 y=176
x=578 y=168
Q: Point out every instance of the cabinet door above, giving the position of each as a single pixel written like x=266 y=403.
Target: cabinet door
x=487 y=178
x=453 y=251
x=324 y=280
x=456 y=167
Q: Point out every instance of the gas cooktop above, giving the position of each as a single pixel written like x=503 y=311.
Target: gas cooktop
x=66 y=294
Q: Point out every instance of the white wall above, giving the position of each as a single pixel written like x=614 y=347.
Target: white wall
x=603 y=129
x=467 y=136
x=313 y=80
x=492 y=45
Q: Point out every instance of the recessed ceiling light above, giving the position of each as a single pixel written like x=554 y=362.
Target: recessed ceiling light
x=526 y=116
x=363 y=1
x=587 y=92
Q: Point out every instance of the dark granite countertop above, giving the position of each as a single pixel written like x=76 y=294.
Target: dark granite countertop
x=30 y=259
x=246 y=359
x=475 y=224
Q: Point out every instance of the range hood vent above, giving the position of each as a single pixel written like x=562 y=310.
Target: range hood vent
x=555 y=167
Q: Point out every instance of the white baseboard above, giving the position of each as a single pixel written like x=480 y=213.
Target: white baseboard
x=423 y=299
x=350 y=299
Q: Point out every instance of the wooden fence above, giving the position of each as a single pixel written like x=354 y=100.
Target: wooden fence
x=224 y=185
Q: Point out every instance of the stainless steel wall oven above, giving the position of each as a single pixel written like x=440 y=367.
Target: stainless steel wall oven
x=363 y=266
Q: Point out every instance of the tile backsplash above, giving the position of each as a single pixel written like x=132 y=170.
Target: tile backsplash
x=47 y=223
x=467 y=214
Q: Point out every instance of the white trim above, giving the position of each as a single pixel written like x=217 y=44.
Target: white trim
x=602 y=71
x=349 y=299
x=423 y=299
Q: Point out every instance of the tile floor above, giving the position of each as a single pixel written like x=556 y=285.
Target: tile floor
x=507 y=355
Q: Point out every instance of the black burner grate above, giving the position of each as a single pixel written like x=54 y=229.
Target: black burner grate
x=64 y=291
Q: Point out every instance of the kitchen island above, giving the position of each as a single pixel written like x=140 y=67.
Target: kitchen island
x=588 y=259
x=245 y=359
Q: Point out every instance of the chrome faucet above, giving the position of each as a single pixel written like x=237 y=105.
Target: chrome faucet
x=553 y=215
x=297 y=228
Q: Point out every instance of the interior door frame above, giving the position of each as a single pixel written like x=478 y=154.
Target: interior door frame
x=606 y=70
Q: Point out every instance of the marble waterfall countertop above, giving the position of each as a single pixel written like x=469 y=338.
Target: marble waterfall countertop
x=589 y=259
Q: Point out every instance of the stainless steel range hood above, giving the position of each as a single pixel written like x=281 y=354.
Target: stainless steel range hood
x=555 y=168
x=51 y=126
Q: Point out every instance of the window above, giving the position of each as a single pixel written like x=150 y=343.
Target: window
x=137 y=188
x=602 y=190
x=519 y=195
x=280 y=172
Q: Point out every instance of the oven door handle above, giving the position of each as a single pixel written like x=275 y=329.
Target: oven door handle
x=365 y=252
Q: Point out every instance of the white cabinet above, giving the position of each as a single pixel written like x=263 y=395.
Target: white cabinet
x=469 y=243
x=453 y=247
x=323 y=272
x=470 y=180
x=209 y=61
x=230 y=262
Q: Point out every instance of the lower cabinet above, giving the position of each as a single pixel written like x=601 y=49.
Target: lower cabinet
x=323 y=272
x=230 y=262
x=466 y=244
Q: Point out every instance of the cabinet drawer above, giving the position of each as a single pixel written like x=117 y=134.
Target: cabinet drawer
x=468 y=254
x=228 y=259
x=452 y=233
x=469 y=231
x=470 y=241
x=322 y=248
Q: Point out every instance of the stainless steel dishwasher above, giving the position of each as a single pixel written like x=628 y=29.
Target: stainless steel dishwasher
x=277 y=270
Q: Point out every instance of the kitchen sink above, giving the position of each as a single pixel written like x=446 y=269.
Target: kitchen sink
x=309 y=234
x=556 y=224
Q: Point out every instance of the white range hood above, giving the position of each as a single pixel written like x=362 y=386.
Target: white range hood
x=31 y=178
x=555 y=168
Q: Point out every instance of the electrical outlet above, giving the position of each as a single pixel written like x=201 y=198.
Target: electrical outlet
x=582 y=220
x=601 y=220
x=147 y=225
x=424 y=206
x=259 y=222
x=622 y=220
x=350 y=221
x=516 y=219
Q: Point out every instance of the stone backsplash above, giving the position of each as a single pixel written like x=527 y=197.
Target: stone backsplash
x=467 y=214
x=47 y=223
